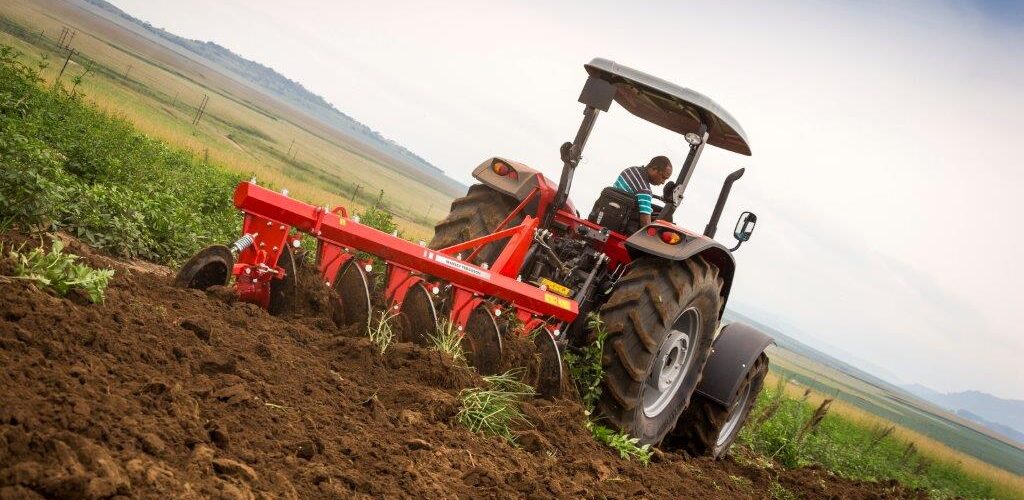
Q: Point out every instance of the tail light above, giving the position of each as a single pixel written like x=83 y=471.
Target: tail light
x=671 y=237
x=501 y=168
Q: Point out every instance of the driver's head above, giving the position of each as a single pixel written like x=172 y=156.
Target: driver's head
x=659 y=169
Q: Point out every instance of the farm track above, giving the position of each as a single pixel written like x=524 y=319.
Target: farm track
x=163 y=392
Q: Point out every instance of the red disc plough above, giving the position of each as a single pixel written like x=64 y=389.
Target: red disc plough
x=474 y=296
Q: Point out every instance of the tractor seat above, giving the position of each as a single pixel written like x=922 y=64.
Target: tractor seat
x=617 y=210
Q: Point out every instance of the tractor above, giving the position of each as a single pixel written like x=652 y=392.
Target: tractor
x=516 y=246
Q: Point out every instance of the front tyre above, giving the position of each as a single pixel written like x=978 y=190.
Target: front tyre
x=708 y=427
x=660 y=322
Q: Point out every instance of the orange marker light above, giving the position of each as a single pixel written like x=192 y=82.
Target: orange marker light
x=670 y=237
x=501 y=168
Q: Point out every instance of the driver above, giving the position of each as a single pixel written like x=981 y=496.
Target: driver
x=638 y=181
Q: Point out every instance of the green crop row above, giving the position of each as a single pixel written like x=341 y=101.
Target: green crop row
x=797 y=432
x=65 y=165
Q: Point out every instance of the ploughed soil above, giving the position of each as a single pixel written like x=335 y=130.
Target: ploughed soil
x=164 y=392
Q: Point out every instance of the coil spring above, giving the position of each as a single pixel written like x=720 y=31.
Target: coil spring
x=244 y=242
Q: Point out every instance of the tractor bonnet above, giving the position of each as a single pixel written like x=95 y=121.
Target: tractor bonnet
x=670 y=106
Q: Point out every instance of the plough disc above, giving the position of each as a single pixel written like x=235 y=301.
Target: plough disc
x=210 y=267
x=353 y=287
x=282 y=291
x=482 y=341
x=549 y=378
x=418 y=316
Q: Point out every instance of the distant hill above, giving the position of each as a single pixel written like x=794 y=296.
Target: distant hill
x=1007 y=431
x=1005 y=416
x=293 y=93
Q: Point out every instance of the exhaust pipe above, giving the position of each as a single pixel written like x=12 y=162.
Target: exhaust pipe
x=712 y=226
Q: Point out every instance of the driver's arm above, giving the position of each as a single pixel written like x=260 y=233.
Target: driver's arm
x=643 y=203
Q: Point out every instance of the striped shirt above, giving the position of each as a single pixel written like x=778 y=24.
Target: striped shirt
x=634 y=180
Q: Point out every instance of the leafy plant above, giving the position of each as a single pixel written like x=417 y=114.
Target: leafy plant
x=585 y=364
x=447 y=339
x=59 y=271
x=588 y=374
x=380 y=331
x=379 y=219
x=68 y=165
x=493 y=410
x=31 y=180
x=627 y=447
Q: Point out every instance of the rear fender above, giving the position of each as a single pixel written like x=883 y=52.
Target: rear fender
x=732 y=355
x=642 y=244
x=518 y=184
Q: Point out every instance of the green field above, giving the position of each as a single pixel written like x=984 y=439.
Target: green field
x=900 y=408
x=795 y=426
x=243 y=130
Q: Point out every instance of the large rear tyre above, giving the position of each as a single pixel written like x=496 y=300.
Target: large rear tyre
x=709 y=428
x=473 y=216
x=660 y=321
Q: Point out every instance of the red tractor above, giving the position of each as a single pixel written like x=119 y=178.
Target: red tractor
x=516 y=245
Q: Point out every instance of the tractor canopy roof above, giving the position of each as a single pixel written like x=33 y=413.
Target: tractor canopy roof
x=670 y=106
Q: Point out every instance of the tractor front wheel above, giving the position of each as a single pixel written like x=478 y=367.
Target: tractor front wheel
x=660 y=321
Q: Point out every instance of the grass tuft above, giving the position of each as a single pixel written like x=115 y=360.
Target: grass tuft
x=379 y=329
x=448 y=340
x=493 y=410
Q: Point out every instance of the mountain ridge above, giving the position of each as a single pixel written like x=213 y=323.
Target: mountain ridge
x=992 y=411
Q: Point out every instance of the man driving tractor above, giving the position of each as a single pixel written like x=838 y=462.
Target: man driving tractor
x=638 y=181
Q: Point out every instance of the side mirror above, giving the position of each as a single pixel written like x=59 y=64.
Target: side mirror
x=744 y=228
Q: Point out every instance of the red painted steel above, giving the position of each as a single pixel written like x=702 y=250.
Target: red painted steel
x=334 y=229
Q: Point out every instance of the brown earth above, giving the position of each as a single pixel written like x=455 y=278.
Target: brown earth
x=163 y=392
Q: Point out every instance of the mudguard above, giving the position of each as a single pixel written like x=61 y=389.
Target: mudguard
x=733 y=353
x=517 y=186
x=643 y=243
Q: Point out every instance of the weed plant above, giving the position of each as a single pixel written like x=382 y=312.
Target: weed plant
x=585 y=364
x=627 y=447
x=58 y=271
x=379 y=329
x=494 y=410
x=448 y=339
x=587 y=374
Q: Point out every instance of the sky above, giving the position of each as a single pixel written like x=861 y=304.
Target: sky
x=885 y=171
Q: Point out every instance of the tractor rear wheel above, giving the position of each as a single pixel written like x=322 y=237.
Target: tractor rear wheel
x=660 y=321
x=473 y=216
x=708 y=427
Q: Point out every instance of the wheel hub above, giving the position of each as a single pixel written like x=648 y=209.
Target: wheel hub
x=672 y=363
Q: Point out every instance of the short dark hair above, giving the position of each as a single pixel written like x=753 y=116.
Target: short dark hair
x=659 y=163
